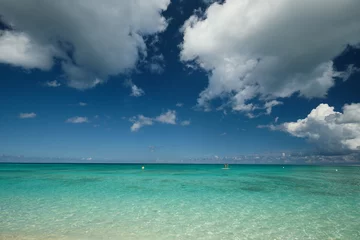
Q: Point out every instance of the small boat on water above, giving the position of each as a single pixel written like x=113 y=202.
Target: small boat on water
x=226 y=166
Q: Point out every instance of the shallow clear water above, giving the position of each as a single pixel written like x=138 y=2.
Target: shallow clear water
x=73 y=201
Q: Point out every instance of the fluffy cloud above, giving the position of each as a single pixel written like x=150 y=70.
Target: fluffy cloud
x=27 y=115
x=19 y=50
x=269 y=49
x=179 y=104
x=77 y=120
x=52 y=84
x=135 y=90
x=270 y=105
x=92 y=39
x=82 y=104
x=169 y=117
x=157 y=64
x=140 y=121
x=331 y=131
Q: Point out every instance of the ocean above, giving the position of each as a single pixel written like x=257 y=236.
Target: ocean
x=192 y=202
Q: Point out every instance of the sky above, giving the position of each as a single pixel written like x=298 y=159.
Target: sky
x=162 y=80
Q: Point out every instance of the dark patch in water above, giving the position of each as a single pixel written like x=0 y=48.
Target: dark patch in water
x=168 y=180
x=14 y=171
x=279 y=178
x=108 y=172
x=290 y=182
x=351 y=182
x=253 y=189
x=75 y=181
x=146 y=179
x=135 y=187
x=324 y=193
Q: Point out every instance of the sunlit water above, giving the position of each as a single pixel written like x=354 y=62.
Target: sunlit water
x=73 y=201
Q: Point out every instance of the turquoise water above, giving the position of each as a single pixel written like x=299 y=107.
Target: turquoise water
x=73 y=201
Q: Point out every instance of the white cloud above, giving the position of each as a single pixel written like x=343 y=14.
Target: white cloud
x=269 y=126
x=27 y=115
x=331 y=131
x=250 y=115
x=52 y=84
x=104 y=38
x=276 y=119
x=77 y=120
x=82 y=104
x=269 y=49
x=19 y=50
x=169 y=117
x=179 y=104
x=208 y=1
x=270 y=105
x=139 y=122
x=157 y=64
x=156 y=68
x=135 y=90
x=185 y=123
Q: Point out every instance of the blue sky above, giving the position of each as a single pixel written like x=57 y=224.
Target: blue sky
x=178 y=80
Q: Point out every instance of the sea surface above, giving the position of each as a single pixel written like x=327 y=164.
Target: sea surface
x=165 y=202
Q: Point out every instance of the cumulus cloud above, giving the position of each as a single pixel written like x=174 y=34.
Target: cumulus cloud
x=331 y=131
x=169 y=117
x=17 y=49
x=135 y=90
x=27 y=115
x=92 y=39
x=179 y=104
x=52 y=84
x=269 y=105
x=269 y=49
x=82 y=104
x=77 y=120
x=140 y=121
x=251 y=115
x=185 y=123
